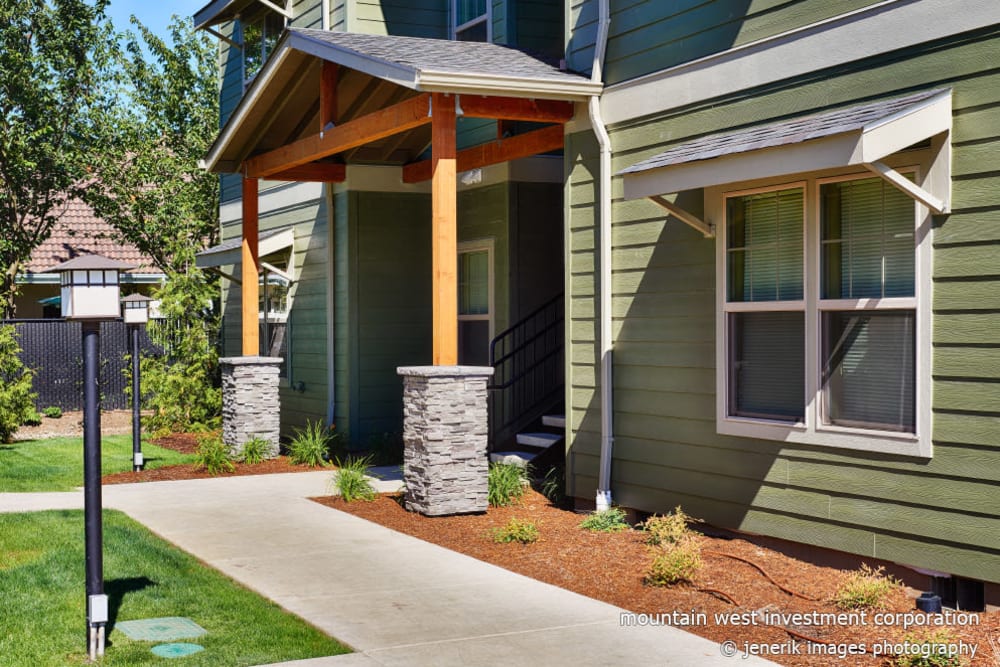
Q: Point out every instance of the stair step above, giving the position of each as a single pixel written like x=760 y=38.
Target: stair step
x=540 y=440
x=555 y=421
x=512 y=458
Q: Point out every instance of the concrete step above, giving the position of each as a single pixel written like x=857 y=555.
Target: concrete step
x=555 y=421
x=512 y=458
x=540 y=440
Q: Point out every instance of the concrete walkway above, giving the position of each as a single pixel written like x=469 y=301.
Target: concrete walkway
x=393 y=598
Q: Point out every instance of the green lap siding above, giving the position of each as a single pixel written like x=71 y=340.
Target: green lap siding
x=412 y=18
x=942 y=513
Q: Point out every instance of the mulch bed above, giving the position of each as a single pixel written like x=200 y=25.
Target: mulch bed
x=611 y=567
x=187 y=443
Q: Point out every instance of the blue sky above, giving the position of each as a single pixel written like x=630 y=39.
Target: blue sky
x=153 y=13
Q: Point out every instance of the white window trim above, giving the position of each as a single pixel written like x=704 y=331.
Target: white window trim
x=263 y=47
x=487 y=18
x=811 y=431
x=479 y=246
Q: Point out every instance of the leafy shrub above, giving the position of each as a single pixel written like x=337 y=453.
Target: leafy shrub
x=930 y=650
x=213 y=455
x=611 y=520
x=669 y=529
x=516 y=530
x=52 y=412
x=310 y=445
x=554 y=484
x=506 y=483
x=866 y=588
x=255 y=450
x=351 y=479
x=32 y=418
x=181 y=386
x=17 y=402
x=675 y=564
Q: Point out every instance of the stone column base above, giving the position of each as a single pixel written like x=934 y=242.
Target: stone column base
x=445 y=463
x=251 y=407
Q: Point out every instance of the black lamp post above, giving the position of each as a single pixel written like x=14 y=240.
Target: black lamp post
x=90 y=294
x=136 y=314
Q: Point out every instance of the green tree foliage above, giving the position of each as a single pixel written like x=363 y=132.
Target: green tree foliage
x=181 y=386
x=53 y=60
x=17 y=401
x=148 y=184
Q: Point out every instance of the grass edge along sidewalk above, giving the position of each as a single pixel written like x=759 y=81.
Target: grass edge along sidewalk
x=42 y=579
x=56 y=464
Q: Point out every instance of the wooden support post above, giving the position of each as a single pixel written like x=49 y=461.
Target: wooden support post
x=249 y=274
x=328 y=94
x=444 y=224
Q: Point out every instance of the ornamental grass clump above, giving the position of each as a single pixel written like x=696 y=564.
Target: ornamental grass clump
x=506 y=483
x=866 y=588
x=674 y=564
x=516 y=530
x=213 y=455
x=310 y=446
x=611 y=520
x=668 y=529
x=936 y=648
x=352 y=479
x=255 y=450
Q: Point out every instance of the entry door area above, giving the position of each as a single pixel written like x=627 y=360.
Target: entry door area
x=475 y=302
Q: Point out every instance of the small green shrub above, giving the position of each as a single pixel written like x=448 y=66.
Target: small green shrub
x=213 y=455
x=930 y=650
x=669 y=529
x=675 y=564
x=310 y=446
x=17 y=402
x=516 y=530
x=554 y=484
x=52 y=412
x=351 y=479
x=611 y=520
x=506 y=483
x=255 y=450
x=866 y=588
x=32 y=418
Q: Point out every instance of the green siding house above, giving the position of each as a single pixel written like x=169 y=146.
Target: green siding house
x=776 y=225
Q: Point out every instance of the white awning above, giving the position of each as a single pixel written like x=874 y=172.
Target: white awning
x=861 y=135
x=230 y=252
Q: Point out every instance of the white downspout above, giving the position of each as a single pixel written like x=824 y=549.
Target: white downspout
x=603 y=500
x=325 y=23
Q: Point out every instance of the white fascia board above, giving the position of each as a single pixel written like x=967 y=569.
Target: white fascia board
x=398 y=74
x=894 y=133
x=510 y=86
x=871 y=31
x=835 y=151
x=271 y=244
x=250 y=98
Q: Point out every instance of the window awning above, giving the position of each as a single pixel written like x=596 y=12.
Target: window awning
x=862 y=135
x=220 y=11
x=229 y=252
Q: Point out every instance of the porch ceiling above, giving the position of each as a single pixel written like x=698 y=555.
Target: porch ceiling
x=375 y=72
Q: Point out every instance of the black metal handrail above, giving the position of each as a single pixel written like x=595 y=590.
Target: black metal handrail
x=527 y=361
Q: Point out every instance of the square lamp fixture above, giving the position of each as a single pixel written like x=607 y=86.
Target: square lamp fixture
x=135 y=308
x=90 y=289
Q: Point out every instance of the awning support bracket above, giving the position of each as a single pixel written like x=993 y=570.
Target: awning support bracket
x=231 y=42
x=270 y=5
x=908 y=187
x=706 y=228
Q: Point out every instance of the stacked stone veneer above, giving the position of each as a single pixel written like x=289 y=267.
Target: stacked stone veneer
x=251 y=407
x=445 y=462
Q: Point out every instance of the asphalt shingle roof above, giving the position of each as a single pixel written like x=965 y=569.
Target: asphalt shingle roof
x=442 y=55
x=783 y=133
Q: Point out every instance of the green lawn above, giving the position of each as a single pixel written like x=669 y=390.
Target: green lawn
x=43 y=619
x=56 y=464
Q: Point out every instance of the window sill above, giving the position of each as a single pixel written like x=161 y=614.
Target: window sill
x=884 y=442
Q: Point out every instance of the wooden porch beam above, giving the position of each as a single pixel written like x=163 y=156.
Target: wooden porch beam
x=444 y=230
x=515 y=108
x=319 y=172
x=249 y=290
x=328 y=78
x=400 y=117
x=522 y=145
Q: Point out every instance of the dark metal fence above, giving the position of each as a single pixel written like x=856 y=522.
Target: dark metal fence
x=54 y=349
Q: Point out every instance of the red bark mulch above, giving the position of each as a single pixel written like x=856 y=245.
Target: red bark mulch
x=611 y=567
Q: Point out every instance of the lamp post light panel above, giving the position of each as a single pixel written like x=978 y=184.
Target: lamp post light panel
x=90 y=287
x=136 y=309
